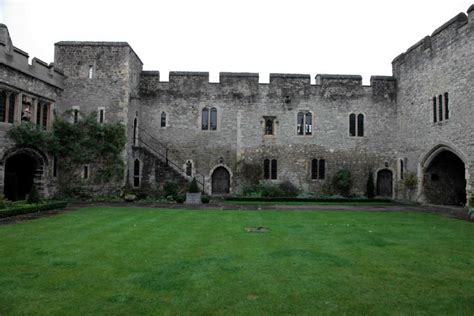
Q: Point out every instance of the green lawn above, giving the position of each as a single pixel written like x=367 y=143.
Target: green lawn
x=123 y=261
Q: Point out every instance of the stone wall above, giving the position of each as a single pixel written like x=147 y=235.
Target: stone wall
x=440 y=63
x=242 y=103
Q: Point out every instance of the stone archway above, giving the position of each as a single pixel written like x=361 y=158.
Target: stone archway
x=444 y=178
x=22 y=168
x=385 y=183
x=220 y=181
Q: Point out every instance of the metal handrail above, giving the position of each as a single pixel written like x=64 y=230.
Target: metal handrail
x=167 y=160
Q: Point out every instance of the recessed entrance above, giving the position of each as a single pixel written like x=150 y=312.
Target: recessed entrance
x=444 y=179
x=384 y=183
x=220 y=181
x=19 y=175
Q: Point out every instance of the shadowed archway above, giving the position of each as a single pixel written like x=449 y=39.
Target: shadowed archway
x=444 y=179
x=23 y=167
x=220 y=181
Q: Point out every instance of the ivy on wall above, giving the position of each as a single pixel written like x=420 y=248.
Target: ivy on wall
x=77 y=144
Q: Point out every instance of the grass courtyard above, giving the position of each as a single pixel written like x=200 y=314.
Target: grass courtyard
x=123 y=261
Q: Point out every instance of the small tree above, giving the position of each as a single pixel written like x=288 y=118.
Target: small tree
x=370 y=186
x=193 y=187
x=342 y=182
x=33 y=197
x=410 y=183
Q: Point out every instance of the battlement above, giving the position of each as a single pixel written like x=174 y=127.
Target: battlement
x=17 y=59
x=449 y=32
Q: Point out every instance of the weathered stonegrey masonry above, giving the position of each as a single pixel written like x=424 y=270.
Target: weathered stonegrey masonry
x=27 y=92
x=417 y=121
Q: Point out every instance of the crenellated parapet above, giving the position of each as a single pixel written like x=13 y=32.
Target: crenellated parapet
x=456 y=29
x=243 y=84
x=17 y=59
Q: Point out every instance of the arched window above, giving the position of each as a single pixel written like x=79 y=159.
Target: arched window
x=322 y=169
x=45 y=116
x=213 y=119
x=163 y=119
x=266 y=169
x=440 y=107
x=11 y=108
x=189 y=168
x=135 y=131
x=352 y=124
x=55 y=166
x=3 y=106
x=85 y=172
x=435 y=116
x=314 y=169
x=308 y=127
x=300 y=123
x=205 y=119
x=360 y=125
x=136 y=173
x=446 y=106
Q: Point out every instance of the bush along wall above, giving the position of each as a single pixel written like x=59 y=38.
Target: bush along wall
x=18 y=209
x=294 y=199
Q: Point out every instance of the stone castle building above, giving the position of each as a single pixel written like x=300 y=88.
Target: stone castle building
x=419 y=120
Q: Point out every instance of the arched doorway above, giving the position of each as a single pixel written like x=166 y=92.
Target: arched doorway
x=22 y=168
x=444 y=179
x=19 y=175
x=220 y=181
x=384 y=183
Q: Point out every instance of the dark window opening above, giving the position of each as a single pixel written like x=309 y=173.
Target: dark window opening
x=266 y=169
x=45 y=116
x=189 y=168
x=322 y=169
x=101 y=116
x=76 y=115
x=135 y=122
x=440 y=107
x=435 y=116
x=352 y=125
x=402 y=167
x=360 y=125
x=318 y=169
x=55 y=166
x=205 y=119
x=136 y=173
x=446 y=106
x=85 y=172
x=274 y=169
x=3 y=106
x=269 y=126
x=434 y=177
x=38 y=114
x=11 y=109
x=163 y=119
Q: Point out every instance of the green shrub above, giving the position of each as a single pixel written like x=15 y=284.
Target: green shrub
x=332 y=199
x=270 y=190
x=370 y=186
x=288 y=189
x=170 y=188
x=410 y=182
x=193 y=187
x=33 y=197
x=342 y=182
x=180 y=199
x=205 y=199
x=13 y=210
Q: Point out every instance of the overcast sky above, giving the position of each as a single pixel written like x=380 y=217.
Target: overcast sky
x=297 y=36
